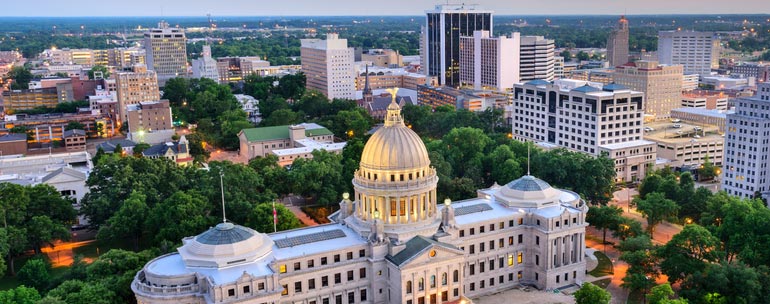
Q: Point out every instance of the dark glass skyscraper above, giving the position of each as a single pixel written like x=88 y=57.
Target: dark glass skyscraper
x=441 y=43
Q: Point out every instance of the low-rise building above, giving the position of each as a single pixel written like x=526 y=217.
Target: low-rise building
x=385 y=78
x=385 y=58
x=472 y=100
x=74 y=140
x=723 y=83
x=49 y=127
x=702 y=117
x=150 y=122
x=15 y=100
x=13 y=143
x=177 y=152
x=686 y=145
x=710 y=100
x=760 y=71
x=287 y=142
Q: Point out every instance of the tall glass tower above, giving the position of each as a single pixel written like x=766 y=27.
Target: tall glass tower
x=441 y=42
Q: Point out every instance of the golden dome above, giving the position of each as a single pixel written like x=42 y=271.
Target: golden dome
x=394 y=146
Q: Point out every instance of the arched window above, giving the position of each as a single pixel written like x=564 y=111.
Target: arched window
x=433 y=281
x=421 y=285
x=443 y=279
x=408 y=286
x=456 y=276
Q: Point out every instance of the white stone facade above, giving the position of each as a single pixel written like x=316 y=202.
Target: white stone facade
x=393 y=244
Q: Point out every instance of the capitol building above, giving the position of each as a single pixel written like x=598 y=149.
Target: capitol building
x=390 y=243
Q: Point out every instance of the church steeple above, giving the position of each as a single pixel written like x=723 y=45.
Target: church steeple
x=368 y=96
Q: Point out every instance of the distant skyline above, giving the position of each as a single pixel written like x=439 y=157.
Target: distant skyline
x=76 y=8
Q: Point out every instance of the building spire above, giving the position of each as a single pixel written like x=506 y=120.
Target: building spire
x=366 y=81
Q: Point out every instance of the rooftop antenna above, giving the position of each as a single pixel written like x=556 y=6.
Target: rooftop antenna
x=528 y=146
x=222 y=188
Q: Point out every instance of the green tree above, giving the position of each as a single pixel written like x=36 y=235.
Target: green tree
x=319 y=177
x=71 y=125
x=116 y=269
x=20 y=295
x=627 y=228
x=583 y=56
x=99 y=68
x=729 y=282
x=655 y=208
x=592 y=294
x=707 y=170
x=189 y=211
x=128 y=221
x=79 y=292
x=43 y=231
x=139 y=148
x=661 y=294
x=21 y=77
x=272 y=104
x=566 y=55
x=604 y=217
x=282 y=117
x=688 y=252
x=34 y=273
x=261 y=218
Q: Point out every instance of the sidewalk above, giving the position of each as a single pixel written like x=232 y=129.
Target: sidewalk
x=306 y=220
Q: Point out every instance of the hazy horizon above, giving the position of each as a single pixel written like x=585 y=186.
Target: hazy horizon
x=309 y=8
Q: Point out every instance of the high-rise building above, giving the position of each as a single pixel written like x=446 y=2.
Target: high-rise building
x=617 y=43
x=489 y=62
x=536 y=58
x=588 y=118
x=166 y=49
x=389 y=243
x=747 y=142
x=443 y=28
x=760 y=71
x=328 y=66
x=660 y=83
x=205 y=66
x=698 y=52
x=134 y=87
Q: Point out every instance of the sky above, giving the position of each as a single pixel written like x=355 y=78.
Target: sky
x=66 y=8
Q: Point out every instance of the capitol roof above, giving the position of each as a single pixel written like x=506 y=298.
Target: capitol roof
x=394 y=146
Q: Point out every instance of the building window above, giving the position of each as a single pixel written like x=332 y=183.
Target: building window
x=311 y=284
x=336 y=258
x=297 y=266
x=260 y=286
x=433 y=281
x=519 y=258
x=408 y=286
x=310 y=263
x=350 y=275
x=324 y=281
x=363 y=295
x=285 y=290
x=246 y=289
x=324 y=261
x=443 y=279
x=231 y=292
x=456 y=276
x=421 y=285
x=510 y=240
x=510 y=260
x=282 y=268
x=351 y=297
x=361 y=253
x=337 y=278
x=521 y=238
x=362 y=273
x=297 y=287
x=350 y=255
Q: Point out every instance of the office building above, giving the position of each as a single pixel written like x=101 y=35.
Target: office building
x=660 y=83
x=74 y=140
x=134 y=87
x=47 y=97
x=385 y=58
x=13 y=143
x=386 y=78
x=488 y=62
x=760 y=71
x=536 y=58
x=617 y=43
x=328 y=66
x=603 y=76
x=389 y=243
x=747 y=142
x=690 y=82
x=205 y=66
x=444 y=26
x=697 y=52
x=586 y=117
x=150 y=122
x=166 y=51
x=45 y=128
x=558 y=67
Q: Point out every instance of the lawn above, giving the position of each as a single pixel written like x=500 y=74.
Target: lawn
x=605 y=265
x=603 y=283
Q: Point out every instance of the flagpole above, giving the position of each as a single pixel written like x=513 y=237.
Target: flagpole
x=275 y=219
